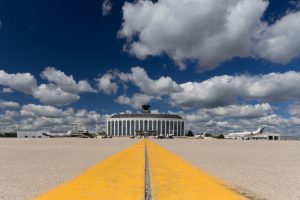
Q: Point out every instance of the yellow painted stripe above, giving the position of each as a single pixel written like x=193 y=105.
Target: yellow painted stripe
x=118 y=177
x=172 y=178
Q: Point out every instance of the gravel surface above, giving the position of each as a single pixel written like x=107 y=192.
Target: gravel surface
x=262 y=169
x=29 y=167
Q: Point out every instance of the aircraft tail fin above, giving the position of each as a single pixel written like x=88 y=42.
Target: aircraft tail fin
x=260 y=130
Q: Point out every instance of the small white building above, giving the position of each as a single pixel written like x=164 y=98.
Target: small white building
x=31 y=134
x=266 y=136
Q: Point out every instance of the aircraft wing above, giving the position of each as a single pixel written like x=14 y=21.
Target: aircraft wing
x=48 y=135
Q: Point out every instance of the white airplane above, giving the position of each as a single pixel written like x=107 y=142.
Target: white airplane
x=68 y=134
x=159 y=136
x=199 y=136
x=243 y=135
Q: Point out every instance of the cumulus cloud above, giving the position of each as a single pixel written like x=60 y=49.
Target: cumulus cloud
x=248 y=111
x=53 y=95
x=294 y=109
x=136 y=101
x=61 y=89
x=106 y=85
x=66 y=83
x=279 y=45
x=9 y=104
x=295 y=3
x=204 y=120
x=225 y=90
x=273 y=120
x=43 y=117
x=218 y=91
x=22 y=82
x=8 y=120
x=32 y=110
x=159 y=87
x=106 y=7
x=7 y=90
x=228 y=118
x=138 y=77
x=207 y=32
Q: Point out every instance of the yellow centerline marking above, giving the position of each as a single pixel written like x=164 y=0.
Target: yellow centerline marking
x=119 y=177
x=172 y=178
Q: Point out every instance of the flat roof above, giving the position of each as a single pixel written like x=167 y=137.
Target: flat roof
x=146 y=115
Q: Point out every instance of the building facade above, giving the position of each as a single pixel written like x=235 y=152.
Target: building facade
x=31 y=134
x=147 y=122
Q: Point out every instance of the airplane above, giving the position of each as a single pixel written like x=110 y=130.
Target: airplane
x=87 y=134
x=49 y=135
x=159 y=136
x=244 y=135
x=68 y=134
x=107 y=136
x=199 y=136
x=170 y=136
x=80 y=134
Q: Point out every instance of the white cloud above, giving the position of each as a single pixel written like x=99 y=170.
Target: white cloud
x=61 y=89
x=273 y=120
x=159 y=87
x=203 y=121
x=207 y=32
x=106 y=85
x=106 y=7
x=7 y=90
x=53 y=95
x=218 y=91
x=138 y=77
x=197 y=117
x=295 y=121
x=22 y=82
x=9 y=104
x=32 y=110
x=294 y=109
x=279 y=45
x=136 y=101
x=87 y=117
x=41 y=117
x=296 y=3
x=66 y=83
x=8 y=120
x=248 y=111
x=224 y=90
x=228 y=118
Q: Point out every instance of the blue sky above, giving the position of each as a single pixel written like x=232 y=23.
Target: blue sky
x=167 y=43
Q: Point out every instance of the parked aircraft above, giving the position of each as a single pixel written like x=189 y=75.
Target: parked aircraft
x=199 y=136
x=80 y=134
x=159 y=136
x=245 y=135
x=106 y=136
x=55 y=135
x=162 y=136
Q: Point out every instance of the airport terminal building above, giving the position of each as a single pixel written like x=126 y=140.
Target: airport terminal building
x=144 y=122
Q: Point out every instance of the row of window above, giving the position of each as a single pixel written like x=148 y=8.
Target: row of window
x=129 y=127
